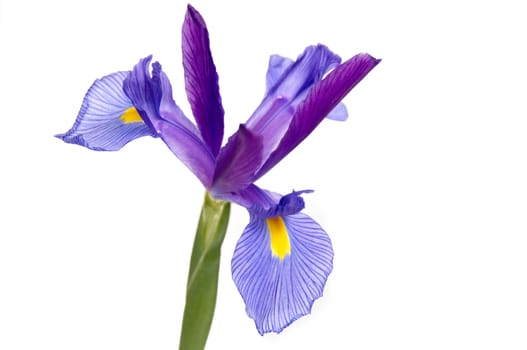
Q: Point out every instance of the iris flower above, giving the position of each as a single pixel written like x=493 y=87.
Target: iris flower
x=283 y=257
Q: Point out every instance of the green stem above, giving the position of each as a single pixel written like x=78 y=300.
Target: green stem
x=202 y=284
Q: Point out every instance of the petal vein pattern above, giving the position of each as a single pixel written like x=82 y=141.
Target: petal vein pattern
x=278 y=291
x=101 y=124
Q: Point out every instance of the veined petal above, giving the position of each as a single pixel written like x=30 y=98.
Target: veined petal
x=107 y=119
x=280 y=267
x=201 y=80
x=152 y=97
x=288 y=84
x=237 y=162
x=321 y=99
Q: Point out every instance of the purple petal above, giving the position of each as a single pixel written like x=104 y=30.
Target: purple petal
x=309 y=68
x=152 y=96
x=321 y=99
x=277 y=67
x=143 y=96
x=289 y=204
x=288 y=85
x=280 y=288
x=107 y=119
x=237 y=162
x=201 y=80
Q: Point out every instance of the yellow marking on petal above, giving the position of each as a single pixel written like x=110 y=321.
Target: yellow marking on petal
x=131 y=116
x=280 y=245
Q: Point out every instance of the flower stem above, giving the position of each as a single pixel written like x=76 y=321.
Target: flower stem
x=202 y=284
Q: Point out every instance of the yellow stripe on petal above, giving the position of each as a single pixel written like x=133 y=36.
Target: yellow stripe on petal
x=131 y=116
x=280 y=245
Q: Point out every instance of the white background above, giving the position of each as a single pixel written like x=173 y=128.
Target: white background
x=423 y=190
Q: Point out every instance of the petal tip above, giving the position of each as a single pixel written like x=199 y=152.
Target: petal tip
x=195 y=16
x=375 y=61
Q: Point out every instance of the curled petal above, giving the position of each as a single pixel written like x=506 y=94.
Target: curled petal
x=201 y=80
x=264 y=203
x=289 y=204
x=152 y=96
x=320 y=101
x=107 y=119
x=279 y=277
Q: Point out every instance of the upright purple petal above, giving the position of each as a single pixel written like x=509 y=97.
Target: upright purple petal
x=278 y=65
x=107 y=119
x=237 y=162
x=321 y=99
x=309 y=68
x=288 y=85
x=201 y=80
x=152 y=97
x=279 y=281
x=289 y=79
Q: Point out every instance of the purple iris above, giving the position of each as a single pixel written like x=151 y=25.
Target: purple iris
x=283 y=258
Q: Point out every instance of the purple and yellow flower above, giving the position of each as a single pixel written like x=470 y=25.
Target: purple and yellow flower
x=283 y=257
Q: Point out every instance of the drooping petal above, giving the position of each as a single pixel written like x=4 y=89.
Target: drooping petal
x=290 y=83
x=152 y=97
x=201 y=80
x=237 y=162
x=280 y=267
x=321 y=99
x=107 y=119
